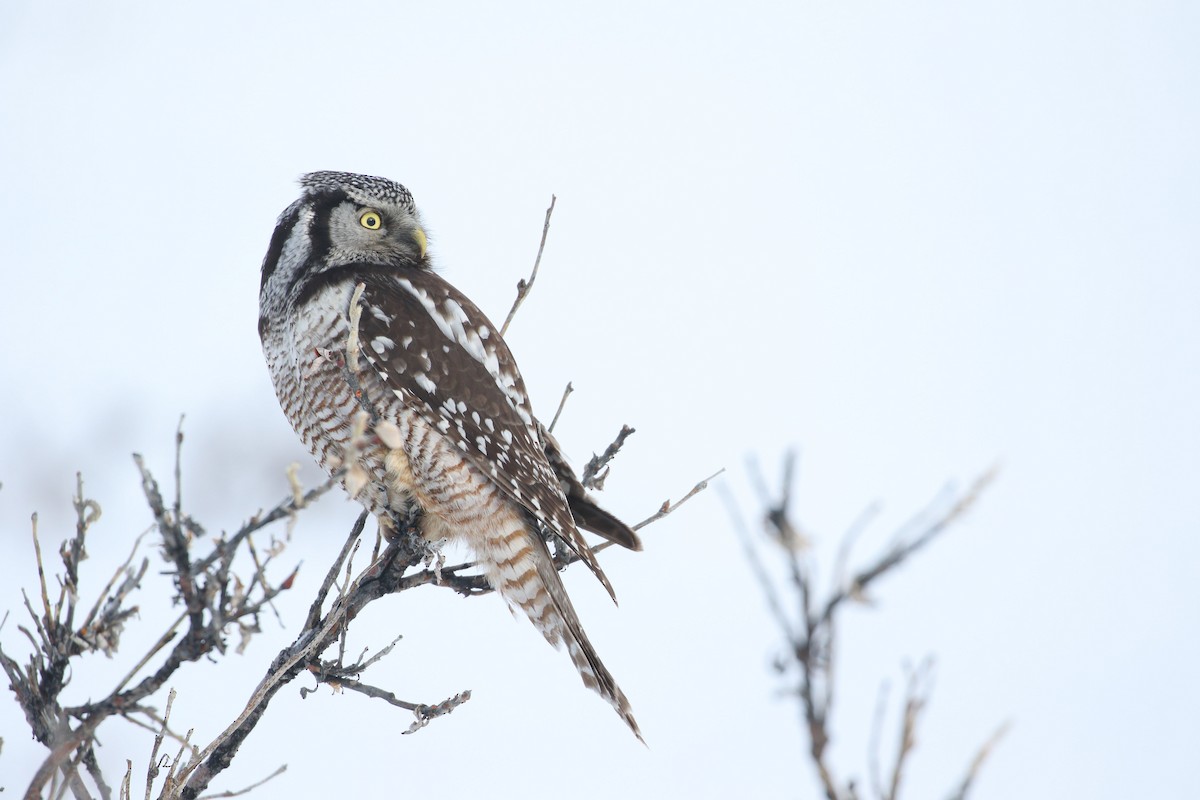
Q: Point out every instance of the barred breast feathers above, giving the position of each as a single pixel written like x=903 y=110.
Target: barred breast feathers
x=455 y=431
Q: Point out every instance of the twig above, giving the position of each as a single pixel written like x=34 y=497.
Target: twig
x=363 y=666
x=668 y=507
x=179 y=472
x=372 y=691
x=523 y=286
x=596 y=470
x=849 y=539
x=561 y=404
x=159 y=645
x=112 y=581
x=314 y=610
x=774 y=603
x=159 y=723
x=379 y=579
x=172 y=780
x=873 y=762
x=902 y=550
x=259 y=577
x=279 y=771
x=284 y=509
x=920 y=684
x=977 y=762
x=812 y=637
x=37 y=552
x=153 y=768
x=70 y=778
x=426 y=714
x=343 y=677
x=58 y=754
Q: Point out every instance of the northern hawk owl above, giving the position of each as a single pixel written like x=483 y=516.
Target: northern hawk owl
x=450 y=431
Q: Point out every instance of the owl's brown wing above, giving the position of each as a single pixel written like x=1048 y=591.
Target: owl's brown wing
x=587 y=514
x=444 y=359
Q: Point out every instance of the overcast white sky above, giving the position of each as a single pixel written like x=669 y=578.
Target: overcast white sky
x=911 y=239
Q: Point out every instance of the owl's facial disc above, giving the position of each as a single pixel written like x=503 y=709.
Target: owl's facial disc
x=375 y=234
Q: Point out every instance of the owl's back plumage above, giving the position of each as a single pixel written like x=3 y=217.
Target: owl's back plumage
x=450 y=428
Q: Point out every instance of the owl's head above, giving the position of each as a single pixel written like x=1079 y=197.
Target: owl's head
x=341 y=219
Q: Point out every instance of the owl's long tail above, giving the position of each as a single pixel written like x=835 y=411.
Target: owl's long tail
x=521 y=569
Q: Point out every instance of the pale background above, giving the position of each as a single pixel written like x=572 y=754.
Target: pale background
x=911 y=238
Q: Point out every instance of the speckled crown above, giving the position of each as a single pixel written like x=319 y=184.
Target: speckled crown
x=360 y=188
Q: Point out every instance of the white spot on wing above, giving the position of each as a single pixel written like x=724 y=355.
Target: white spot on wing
x=423 y=381
x=453 y=321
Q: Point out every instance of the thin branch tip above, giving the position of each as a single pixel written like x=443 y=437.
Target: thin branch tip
x=525 y=286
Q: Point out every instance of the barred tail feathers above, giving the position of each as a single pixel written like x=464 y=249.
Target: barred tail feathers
x=522 y=571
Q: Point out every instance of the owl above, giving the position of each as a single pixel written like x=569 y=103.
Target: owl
x=384 y=368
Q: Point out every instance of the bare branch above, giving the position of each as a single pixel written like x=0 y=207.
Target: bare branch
x=159 y=722
x=916 y=697
x=774 y=602
x=561 y=404
x=977 y=763
x=282 y=768
x=126 y=790
x=524 y=286
x=811 y=634
x=153 y=768
x=873 y=762
x=382 y=577
x=596 y=470
x=179 y=469
x=216 y=599
x=113 y=580
x=37 y=552
x=426 y=714
x=668 y=507
x=314 y=611
x=284 y=509
x=162 y=642
x=902 y=550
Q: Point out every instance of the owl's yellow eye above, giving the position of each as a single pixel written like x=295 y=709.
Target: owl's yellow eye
x=370 y=220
